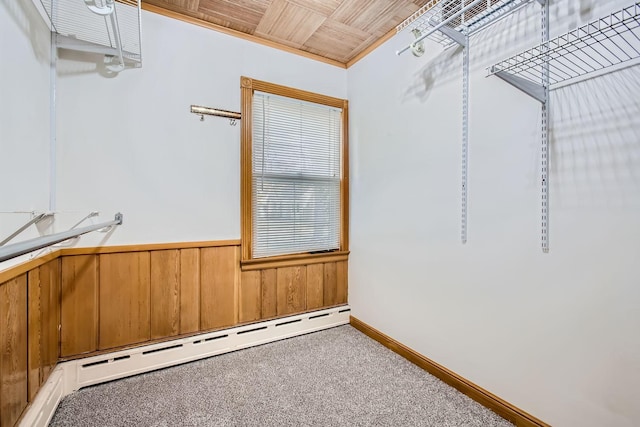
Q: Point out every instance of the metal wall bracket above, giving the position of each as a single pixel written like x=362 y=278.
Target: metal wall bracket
x=465 y=138
x=544 y=135
x=454 y=35
x=532 y=89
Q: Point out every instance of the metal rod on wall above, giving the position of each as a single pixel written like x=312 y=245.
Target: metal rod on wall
x=21 y=248
x=196 y=109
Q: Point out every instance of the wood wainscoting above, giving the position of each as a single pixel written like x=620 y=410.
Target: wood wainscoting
x=29 y=335
x=86 y=301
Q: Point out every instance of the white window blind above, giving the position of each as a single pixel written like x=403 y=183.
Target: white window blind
x=296 y=176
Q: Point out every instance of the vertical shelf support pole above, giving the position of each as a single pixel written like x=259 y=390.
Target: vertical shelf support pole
x=465 y=136
x=545 y=132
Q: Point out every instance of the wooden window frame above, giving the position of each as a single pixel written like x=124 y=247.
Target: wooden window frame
x=247 y=88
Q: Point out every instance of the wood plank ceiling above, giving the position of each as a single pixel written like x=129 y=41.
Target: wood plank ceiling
x=337 y=30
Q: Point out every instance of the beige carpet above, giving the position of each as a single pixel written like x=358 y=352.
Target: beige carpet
x=337 y=377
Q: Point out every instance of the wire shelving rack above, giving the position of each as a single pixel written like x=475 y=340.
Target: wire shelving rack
x=463 y=16
x=598 y=47
x=588 y=50
x=108 y=27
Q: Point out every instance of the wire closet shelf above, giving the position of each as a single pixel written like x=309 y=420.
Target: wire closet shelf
x=463 y=16
x=607 y=42
x=108 y=27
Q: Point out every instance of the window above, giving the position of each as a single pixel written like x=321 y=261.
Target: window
x=294 y=175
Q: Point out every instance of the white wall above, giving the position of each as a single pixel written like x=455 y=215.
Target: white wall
x=555 y=334
x=24 y=117
x=129 y=143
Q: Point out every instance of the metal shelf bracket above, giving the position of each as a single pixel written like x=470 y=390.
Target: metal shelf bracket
x=532 y=89
x=465 y=139
x=456 y=36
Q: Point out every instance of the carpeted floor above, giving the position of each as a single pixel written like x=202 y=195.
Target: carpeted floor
x=337 y=377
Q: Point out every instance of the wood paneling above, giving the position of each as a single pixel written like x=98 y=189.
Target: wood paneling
x=218 y=287
x=92 y=302
x=322 y=7
x=147 y=247
x=239 y=15
x=293 y=260
x=34 y=333
x=13 y=350
x=183 y=4
x=315 y=286
x=330 y=284
x=79 y=309
x=288 y=23
x=342 y=278
x=189 y=290
x=503 y=408
x=27 y=266
x=124 y=299
x=50 y=315
x=165 y=293
x=201 y=20
x=331 y=31
x=269 y=279
x=292 y=290
x=250 y=296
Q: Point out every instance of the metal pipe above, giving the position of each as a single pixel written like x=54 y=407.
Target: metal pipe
x=21 y=248
x=440 y=25
x=118 y=41
x=24 y=227
x=196 y=109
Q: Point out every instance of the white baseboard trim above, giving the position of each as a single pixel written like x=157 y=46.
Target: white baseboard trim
x=70 y=376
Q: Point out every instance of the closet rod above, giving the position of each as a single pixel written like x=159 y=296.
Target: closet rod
x=33 y=220
x=196 y=109
x=21 y=248
x=439 y=26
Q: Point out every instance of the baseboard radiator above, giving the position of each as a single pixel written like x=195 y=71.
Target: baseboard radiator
x=70 y=376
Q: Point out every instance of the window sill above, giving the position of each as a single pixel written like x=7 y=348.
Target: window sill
x=293 y=260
